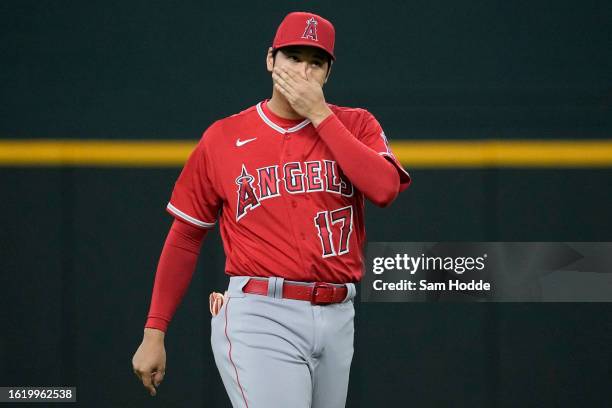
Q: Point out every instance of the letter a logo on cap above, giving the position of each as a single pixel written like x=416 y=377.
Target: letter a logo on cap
x=311 y=29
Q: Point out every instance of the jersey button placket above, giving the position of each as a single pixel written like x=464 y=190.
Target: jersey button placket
x=286 y=154
x=288 y=149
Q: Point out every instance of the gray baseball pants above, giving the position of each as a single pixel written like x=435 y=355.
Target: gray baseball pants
x=283 y=353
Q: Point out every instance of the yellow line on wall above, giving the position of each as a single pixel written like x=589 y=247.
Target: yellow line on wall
x=508 y=153
x=412 y=154
x=113 y=153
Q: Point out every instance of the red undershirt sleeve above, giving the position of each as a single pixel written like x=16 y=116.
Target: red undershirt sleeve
x=372 y=173
x=174 y=272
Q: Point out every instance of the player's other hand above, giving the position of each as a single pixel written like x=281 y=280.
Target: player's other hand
x=149 y=361
x=216 y=301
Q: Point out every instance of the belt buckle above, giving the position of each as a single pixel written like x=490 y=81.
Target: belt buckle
x=316 y=290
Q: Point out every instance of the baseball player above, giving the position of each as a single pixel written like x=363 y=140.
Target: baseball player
x=286 y=180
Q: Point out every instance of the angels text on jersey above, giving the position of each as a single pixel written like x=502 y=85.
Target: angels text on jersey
x=269 y=182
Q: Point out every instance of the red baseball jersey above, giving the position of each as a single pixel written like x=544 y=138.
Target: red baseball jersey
x=284 y=206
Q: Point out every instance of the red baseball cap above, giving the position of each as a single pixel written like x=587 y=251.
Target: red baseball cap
x=301 y=28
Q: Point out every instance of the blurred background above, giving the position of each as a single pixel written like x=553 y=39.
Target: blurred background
x=501 y=111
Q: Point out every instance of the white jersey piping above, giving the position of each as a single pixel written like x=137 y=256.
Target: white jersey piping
x=189 y=218
x=279 y=129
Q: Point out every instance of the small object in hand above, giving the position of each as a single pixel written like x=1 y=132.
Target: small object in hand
x=215 y=302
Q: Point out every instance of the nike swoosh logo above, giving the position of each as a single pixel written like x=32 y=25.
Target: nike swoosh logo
x=243 y=142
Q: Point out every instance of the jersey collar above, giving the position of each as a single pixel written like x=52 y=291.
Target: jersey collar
x=275 y=126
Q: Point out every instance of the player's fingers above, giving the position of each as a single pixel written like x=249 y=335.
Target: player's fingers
x=292 y=85
x=281 y=89
x=296 y=78
x=146 y=381
x=211 y=300
x=158 y=377
x=281 y=81
x=288 y=75
x=218 y=304
x=282 y=73
x=285 y=93
x=216 y=301
x=215 y=307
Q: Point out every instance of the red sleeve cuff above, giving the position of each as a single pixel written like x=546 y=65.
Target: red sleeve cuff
x=405 y=178
x=157 y=323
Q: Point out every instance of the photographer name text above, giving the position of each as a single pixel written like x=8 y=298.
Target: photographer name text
x=425 y=285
